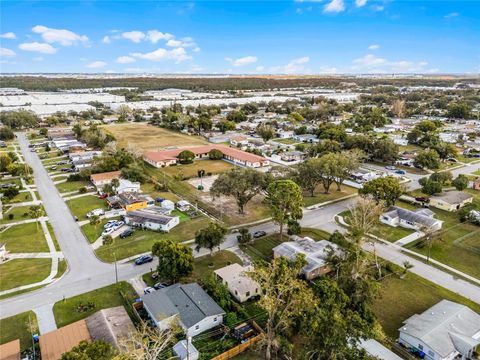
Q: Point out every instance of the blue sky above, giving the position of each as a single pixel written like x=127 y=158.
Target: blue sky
x=287 y=37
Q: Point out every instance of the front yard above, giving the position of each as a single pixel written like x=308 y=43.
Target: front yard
x=79 y=307
x=17 y=327
x=92 y=232
x=15 y=214
x=320 y=196
x=24 y=238
x=82 y=205
x=21 y=272
x=68 y=186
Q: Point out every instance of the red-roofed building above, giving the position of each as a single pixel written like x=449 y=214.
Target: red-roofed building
x=236 y=156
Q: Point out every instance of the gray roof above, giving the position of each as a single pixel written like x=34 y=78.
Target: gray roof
x=154 y=214
x=189 y=301
x=446 y=327
x=420 y=216
x=453 y=197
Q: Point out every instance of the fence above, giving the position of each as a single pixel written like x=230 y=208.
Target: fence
x=242 y=347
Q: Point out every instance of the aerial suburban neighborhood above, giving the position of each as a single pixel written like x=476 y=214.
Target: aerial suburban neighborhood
x=274 y=212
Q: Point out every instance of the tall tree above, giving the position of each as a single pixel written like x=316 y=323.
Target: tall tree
x=35 y=212
x=427 y=159
x=386 y=189
x=285 y=200
x=307 y=175
x=95 y=350
x=266 y=132
x=210 y=237
x=175 y=260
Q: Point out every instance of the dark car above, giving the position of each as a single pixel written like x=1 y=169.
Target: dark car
x=126 y=233
x=144 y=259
x=259 y=234
x=159 y=199
x=422 y=199
x=159 y=286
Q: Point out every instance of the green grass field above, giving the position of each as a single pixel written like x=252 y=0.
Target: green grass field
x=21 y=197
x=73 y=309
x=286 y=141
x=320 y=196
x=20 y=213
x=17 y=327
x=142 y=240
x=71 y=186
x=83 y=205
x=24 y=238
x=21 y=272
x=261 y=249
x=191 y=170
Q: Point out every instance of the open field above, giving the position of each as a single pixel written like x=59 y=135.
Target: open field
x=81 y=306
x=24 y=238
x=401 y=298
x=20 y=272
x=19 y=213
x=17 y=327
x=191 y=170
x=320 y=196
x=142 y=240
x=149 y=137
x=82 y=205
x=71 y=185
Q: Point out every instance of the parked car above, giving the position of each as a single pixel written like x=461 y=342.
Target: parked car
x=43 y=156
x=103 y=196
x=148 y=290
x=97 y=212
x=144 y=259
x=159 y=286
x=109 y=224
x=259 y=234
x=126 y=233
x=108 y=231
x=159 y=199
x=422 y=199
x=390 y=167
x=62 y=162
x=400 y=172
x=53 y=167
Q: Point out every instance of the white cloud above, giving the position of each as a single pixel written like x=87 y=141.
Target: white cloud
x=154 y=36
x=106 y=39
x=96 y=64
x=125 y=60
x=8 y=35
x=374 y=47
x=243 y=61
x=451 y=15
x=178 y=55
x=62 y=36
x=295 y=66
x=369 y=61
x=197 y=49
x=328 y=70
x=334 y=6
x=186 y=42
x=38 y=47
x=360 y=3
x=374 y=64
x=4 y=52
x=260 y=68
x=135 y=36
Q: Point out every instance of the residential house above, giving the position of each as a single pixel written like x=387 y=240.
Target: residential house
x=285 y=134
x=83 y=155
x=188 y=304
x=419 y=219
x=130 y=201
x=82 y=164
x=451 y=200
x=307 y=138
x=240 y=285
x=316 y=254
x=168 y=205
x=127 y=186
x=10 y=350
x=185 y=350
x=183 y=205
x=238 y=140
x=102 y=179
x=152 y=218
x=446 y=331
x=290 y=156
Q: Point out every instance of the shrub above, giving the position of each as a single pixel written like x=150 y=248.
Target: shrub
x=11 y=216
x=82 y=190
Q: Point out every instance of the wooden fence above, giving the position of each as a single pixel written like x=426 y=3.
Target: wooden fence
x=242 y=347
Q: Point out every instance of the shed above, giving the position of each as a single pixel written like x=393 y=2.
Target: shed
x=185 y=350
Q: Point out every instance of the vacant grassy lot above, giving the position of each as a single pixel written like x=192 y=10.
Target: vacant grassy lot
x=149 y=137
x=19 y=213
x=142 y=240
x=82 y=205
x=401 y=298
x=191 y=170
x=320 y=196
x=20 y=272
x=17 y=327
x=24 y=238
x=81 y=306
x=71 y=186
x=21 y=197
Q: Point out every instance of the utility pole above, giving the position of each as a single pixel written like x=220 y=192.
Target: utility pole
x=116 y=270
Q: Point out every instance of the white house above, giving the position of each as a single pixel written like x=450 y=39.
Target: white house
x=152 y=218
x=285 y=134
x=127 y=186
x=446 y=331
x=168 y=205
x=240 y=285
x=451 y=200
x=183 y=205
x=417 y=220
x=188 y=304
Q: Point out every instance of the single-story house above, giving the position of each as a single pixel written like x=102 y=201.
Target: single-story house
x=316 y=254
x=82 y=164
x=10 y=350
x=417 y=220
x=451 y=200
x=445 y=331
x=102 y=179
x=167 y=205
x=377 y=350
x=130 y=201
x=84 y=155
x=285 y=134
x=183 y=205
x=127 y=186
x=188 y=304
x=307 y=138
x=185 y=350
x=153 y=218
x=169 y=157
x=240 y=285
x=292 y=156
x=238 y=140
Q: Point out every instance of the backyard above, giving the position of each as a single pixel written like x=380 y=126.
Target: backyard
x=17 y=327
x=79 y=307
x=19 y=272
x=25 y=238
x=149 y=137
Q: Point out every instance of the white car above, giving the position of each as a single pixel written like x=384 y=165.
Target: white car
x=109 y=224
x=97 y=212
x=148 y=290
x=107 y=231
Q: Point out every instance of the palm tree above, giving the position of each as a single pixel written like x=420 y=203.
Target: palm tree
x=35 y=211
x=406 y=266
x=94 y=221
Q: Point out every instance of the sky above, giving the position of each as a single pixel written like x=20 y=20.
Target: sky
x=246 y=37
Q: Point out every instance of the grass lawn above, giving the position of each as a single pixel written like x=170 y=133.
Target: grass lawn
x=21 y=197
x=204 y=266
x=52 y=234
x=20 y=272
x=71 y=185
x=17 y=327
x=477 y=172
x=144 y=137
x=10 y=181
x=81 y=306
x=82 y=205
x=286 y=141
x=401 y=298
x=261 y=249
x=92 y=233
x=391 y=233
x=149 y=188
x=24 y=238
x=191 y=170
x=142 y=240
x=315 y=234
x=320 y=196
x=18 y=214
